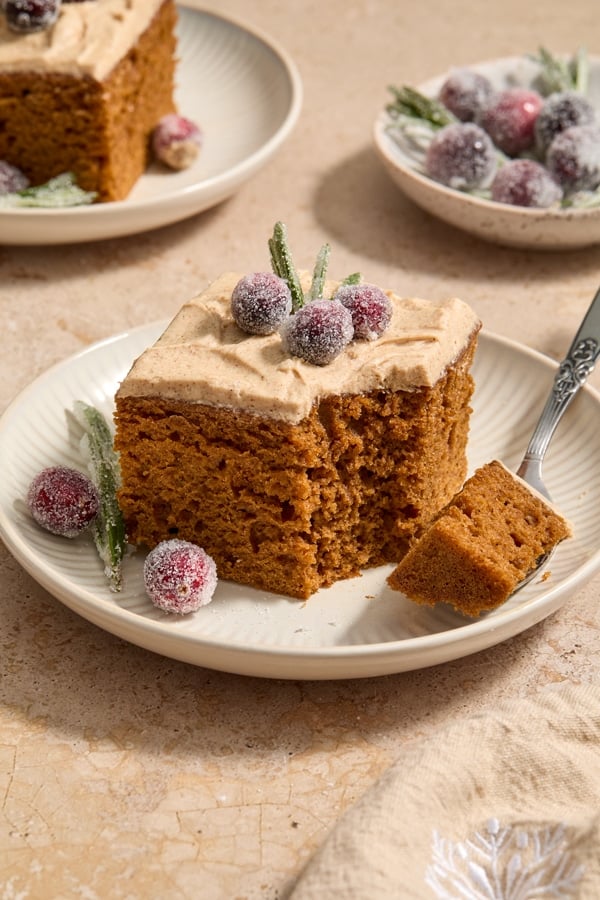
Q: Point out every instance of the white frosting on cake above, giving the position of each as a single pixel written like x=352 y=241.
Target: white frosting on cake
x=203 y=357
x=88 y=38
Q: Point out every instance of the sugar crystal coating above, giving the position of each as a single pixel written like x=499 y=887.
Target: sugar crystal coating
x=26 y=16
x=260 y=302
x=465 y=93
x=573 y=158
x=510 y=119
x=559 y=112
x=179 y=576
x=461 y=156
x=370 y=308
x=318 y=332
x=176 y=141
x=63 y=500
x=524 y=182
x=11 y=178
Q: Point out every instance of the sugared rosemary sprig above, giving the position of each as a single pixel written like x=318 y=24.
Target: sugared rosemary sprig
x=103 y=465
x=412 y=103
x=562 y=74
x=61 y=191
x=319 y=274
x=283 y=265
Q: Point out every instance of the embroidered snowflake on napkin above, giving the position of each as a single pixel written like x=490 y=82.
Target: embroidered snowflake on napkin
x=505 y=863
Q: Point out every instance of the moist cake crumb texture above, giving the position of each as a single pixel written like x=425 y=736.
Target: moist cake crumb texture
x=481 y=545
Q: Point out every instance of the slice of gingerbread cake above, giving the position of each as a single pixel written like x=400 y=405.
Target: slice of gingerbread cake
x=299 y=456
x=82 y=86
x=481 y=545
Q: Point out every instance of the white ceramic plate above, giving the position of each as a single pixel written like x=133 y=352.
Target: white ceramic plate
x=552 y=229
x=356 y=628
x=245 y=93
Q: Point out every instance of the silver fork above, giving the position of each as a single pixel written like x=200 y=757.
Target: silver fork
x=572 y=373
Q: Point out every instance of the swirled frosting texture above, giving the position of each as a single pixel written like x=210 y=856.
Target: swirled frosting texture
x=88 y=38
x=203 y=357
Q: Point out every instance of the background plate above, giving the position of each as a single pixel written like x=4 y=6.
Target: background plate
x=245 y=93
x=356 y=628
x=514 y=226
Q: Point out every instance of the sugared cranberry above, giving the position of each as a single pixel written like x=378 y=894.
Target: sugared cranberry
x=260 y=302
x=176 y=141
x=510 y=119
x=318 y=332
x=370 y=308
x=63 y=500
x=466 y=93
x=524 y=182
x=26 y=16
x=461 y=156
x=179 y=576
x=11 y=178
x=573 y=158
x=559 y=112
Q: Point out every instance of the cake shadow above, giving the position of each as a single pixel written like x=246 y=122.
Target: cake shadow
x=106 y=255
x=112 y=691
x=360 y=207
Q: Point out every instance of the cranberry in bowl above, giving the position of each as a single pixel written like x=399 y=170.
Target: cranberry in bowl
x=539 y=185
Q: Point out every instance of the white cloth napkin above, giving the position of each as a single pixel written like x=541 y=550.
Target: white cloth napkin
x=501 y=806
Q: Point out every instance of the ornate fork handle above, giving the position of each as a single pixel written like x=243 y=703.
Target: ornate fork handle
x=571 y=375
x=575 y=369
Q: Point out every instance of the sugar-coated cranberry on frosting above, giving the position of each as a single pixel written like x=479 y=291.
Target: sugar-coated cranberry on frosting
x=27 y=16
x=260 y=302
x=369 y=306
x=318 y=332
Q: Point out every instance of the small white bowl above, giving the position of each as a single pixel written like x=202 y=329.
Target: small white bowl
x=549 y=229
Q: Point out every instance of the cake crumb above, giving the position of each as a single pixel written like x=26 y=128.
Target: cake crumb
x=481 y=545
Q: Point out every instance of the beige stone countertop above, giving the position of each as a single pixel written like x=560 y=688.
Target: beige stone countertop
x=124 y=774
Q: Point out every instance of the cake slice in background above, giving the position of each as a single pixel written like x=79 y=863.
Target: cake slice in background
x=85 y=94
x=481 y=545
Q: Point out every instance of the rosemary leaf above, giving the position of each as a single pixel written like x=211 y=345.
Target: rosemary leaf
x=410 y=102
x=562 y=75
x=319 y=273
x=283 y=266
x=103 y=465
x=61 y=191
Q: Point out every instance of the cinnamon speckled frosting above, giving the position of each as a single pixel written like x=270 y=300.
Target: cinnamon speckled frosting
x=203 y=357
x=88 y=38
